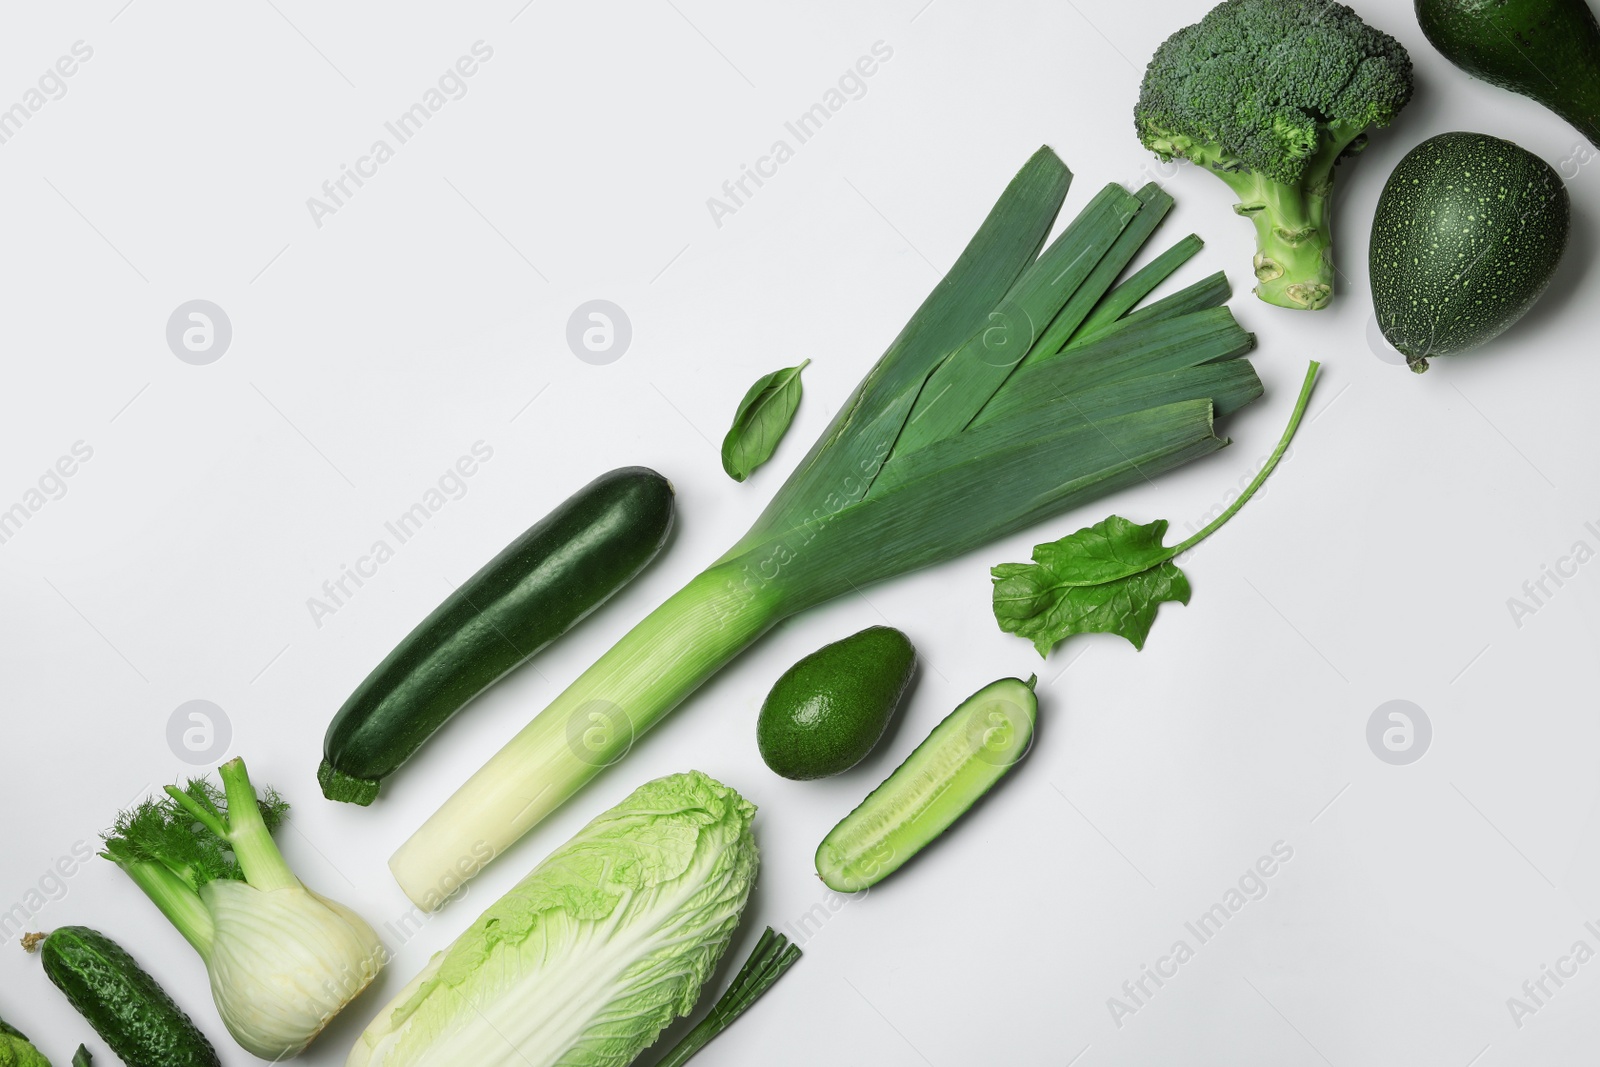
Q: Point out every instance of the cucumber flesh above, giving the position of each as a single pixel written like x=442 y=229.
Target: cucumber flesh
x=959 y=762
x=126 y=1007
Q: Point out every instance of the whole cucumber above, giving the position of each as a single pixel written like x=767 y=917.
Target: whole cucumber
x=1545 y=49
x=559 y=570
x=126 y=1007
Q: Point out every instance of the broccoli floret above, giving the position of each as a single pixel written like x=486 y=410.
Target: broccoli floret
x=1269 y=95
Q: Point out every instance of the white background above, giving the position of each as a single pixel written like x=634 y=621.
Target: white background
x=429 y=313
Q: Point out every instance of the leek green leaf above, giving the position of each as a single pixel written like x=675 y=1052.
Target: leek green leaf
x=763 y=417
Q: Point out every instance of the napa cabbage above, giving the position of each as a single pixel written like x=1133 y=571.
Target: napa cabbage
x=590 y=956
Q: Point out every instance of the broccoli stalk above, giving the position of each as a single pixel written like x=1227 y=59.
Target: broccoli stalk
x=1269 y=95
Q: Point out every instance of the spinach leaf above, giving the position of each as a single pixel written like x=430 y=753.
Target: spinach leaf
x=1110 y=577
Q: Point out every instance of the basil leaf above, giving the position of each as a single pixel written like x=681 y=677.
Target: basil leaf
x=761 y=421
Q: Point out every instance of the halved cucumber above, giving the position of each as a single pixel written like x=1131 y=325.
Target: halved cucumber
x=960 y=761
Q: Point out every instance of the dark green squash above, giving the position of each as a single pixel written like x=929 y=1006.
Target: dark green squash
x=559 y=570
x=1468 y=231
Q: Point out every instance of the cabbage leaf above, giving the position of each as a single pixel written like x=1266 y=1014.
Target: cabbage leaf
x=588 y=958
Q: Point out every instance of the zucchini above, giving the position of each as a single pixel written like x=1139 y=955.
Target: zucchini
x=959 y=762
x=559 y=570
x=1467 y=234
x=130 y=1012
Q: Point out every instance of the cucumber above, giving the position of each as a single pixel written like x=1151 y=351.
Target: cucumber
x=1467 y=234
x=559 y=570
x=959 y=762
x=126 y=1007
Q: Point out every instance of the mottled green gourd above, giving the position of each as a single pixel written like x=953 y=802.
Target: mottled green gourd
x=829 y=710
x=1548 y=50
x=1468 y=231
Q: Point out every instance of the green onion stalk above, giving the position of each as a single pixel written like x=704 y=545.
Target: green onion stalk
x=1029 y=382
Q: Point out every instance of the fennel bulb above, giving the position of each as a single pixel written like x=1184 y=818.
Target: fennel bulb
x=591 y=955
x=282 y=960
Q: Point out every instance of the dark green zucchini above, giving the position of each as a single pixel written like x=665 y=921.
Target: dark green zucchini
x=558 y=571
x=130 y=1012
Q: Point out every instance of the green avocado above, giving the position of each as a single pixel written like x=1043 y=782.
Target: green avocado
x=828 y=711
x=1545 y=49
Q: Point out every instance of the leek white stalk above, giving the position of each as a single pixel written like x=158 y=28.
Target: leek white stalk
x=282 y=960
x=1026 y=384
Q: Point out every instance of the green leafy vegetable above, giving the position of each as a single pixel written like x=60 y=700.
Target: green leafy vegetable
x=772 y=956
x=993 y=409
x=81 y=1058
x=1112 y=576
x=763 y=417
x=282 y=960
x=1269 y=95
x=16 y=1050
x=590 y=956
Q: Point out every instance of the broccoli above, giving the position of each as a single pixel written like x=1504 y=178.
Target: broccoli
x=1269 y=95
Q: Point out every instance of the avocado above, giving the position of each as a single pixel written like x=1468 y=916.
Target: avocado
x=828 y=711
x=1545 y=49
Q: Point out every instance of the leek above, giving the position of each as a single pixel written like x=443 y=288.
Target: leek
x=1025 y=385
